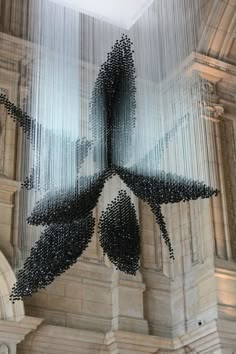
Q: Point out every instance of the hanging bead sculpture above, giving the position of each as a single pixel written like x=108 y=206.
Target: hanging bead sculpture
x=116 y=143
x=119 y=234
x=58 y=248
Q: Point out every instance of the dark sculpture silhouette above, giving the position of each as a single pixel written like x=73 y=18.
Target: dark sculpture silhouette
x=67 y=214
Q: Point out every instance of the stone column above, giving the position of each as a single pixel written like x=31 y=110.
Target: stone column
x=127 y=303
x=219 y=206
x=10 y=85
x=8 y=188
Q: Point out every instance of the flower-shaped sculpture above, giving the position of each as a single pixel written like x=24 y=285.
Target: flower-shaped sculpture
x=67 y=214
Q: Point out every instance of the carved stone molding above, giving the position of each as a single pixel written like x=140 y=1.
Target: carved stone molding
x=212 y=110
x=220 y=75
x=4 y=349
x=214 y=63
x=208 y=87
x=210 y=101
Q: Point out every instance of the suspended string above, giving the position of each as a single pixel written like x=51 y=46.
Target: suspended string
x=177 y=94
x=55 y=151
x=108 y=102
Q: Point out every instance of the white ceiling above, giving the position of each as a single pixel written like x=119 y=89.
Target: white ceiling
x=122 y=13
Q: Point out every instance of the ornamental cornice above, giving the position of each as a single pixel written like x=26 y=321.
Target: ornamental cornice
x=214 y=63
x=219 y=73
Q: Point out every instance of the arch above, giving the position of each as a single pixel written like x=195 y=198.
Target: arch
x=8 y=311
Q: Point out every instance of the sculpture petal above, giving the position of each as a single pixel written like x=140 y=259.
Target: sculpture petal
x=120 y=234
x=57 y=250
x=65 y=206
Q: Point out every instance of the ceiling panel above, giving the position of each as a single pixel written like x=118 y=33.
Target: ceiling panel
x=122 y=13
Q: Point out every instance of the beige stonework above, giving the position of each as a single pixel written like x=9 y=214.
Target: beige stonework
x=185 y=306
x=14 y=325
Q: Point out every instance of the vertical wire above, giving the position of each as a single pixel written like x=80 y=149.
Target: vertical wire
x=70 y=48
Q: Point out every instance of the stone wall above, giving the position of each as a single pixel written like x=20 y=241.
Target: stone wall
x=185 y=306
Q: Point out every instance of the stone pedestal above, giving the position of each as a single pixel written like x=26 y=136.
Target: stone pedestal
x=127 y=303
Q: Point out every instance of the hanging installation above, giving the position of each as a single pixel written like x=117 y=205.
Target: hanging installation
x=105 y=101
